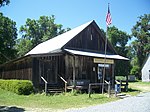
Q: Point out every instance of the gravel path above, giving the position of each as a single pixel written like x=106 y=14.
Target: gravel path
x=140 y=103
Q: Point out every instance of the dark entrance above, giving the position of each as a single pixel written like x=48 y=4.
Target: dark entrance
x=48 y=70
x=100 y=72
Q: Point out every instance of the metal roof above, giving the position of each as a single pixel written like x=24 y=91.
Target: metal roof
x=83 y=53
x=58 y=42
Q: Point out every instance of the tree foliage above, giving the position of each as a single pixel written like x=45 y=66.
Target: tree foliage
x=119 y=41
x=141 y=31
x=8 y=35
x=37 y=31
x=23 y=46
x=141 y=46
x=4 y=2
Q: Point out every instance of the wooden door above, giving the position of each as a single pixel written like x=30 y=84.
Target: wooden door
x=48 y=70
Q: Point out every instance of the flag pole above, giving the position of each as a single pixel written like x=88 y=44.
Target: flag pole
x=104 y=70
x=108 y=22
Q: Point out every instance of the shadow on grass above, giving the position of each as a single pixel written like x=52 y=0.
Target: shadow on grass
x=134 y=81
x=11 y=109
x=132 y=90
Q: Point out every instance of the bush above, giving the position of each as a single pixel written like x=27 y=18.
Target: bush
x=21 y=87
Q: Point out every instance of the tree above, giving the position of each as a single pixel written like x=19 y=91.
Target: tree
x=23 y=46
x=4 y=2
x=141 y=45
x=37 y=31
x=119 y=41
x=8 y=35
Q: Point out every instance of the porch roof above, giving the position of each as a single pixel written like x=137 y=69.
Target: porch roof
x=91 y=54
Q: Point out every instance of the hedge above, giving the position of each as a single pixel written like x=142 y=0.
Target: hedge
x=21 y=87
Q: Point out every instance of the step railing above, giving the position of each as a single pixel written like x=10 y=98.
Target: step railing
x=64 y=82
x=45 y=84
x=98 y=84
x=118 y=82
x=109 y=91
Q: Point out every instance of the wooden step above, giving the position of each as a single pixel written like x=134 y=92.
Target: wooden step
x=121 y=95
x=54 y=90
x=112 y=91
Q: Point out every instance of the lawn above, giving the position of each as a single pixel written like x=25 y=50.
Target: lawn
x=141 y=86
x=62 y=101
x=137 y=87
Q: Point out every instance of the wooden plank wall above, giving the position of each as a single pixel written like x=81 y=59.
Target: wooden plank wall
x=20 y=69
x=24 y=74
x=33 y=68
x=89 y=40
x=50 y=67
x=83 y=68
x=86 y=69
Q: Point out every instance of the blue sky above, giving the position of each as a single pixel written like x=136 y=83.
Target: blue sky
x=72 y=13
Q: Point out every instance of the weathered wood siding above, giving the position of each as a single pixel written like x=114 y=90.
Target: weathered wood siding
x=90 y=39
x=83 y=68
x=21 y=69
x=50 y=67
x=32 y=68
x=86 y=69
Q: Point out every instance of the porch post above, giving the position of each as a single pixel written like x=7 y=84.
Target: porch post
x=113 y=75
x=74 y=72
x=126 y=87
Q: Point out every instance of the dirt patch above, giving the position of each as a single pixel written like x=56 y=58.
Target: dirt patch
x=143 y=88
x=42 y=110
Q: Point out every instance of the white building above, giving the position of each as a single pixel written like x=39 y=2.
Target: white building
x=146 y=70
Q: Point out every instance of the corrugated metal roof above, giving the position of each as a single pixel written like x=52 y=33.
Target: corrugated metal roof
x=83 y=53
x=57 y=42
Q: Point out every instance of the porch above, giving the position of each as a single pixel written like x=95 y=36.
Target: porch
x=75 y=72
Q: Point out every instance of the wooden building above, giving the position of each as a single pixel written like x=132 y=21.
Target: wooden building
x=76 y=56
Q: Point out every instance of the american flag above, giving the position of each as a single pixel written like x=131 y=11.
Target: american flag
x=108 y=17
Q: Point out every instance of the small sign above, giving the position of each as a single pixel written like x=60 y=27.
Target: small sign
x=99 y=60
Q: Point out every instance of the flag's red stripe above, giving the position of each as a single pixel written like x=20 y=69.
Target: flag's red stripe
x=108 y=18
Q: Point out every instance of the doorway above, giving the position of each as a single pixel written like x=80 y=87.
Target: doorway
x=100 y=72
x=48 y=71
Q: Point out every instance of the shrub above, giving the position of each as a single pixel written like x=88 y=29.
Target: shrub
x=21 y=87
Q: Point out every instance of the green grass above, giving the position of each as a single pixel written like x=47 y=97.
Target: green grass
x=120 y=78
x=62 y=101
x=133 y=92
x=136 y=87
x=141 y=86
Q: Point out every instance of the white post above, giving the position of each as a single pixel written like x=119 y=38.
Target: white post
x=45 y=84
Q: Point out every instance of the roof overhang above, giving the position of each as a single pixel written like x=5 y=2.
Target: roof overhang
x=98 y=55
